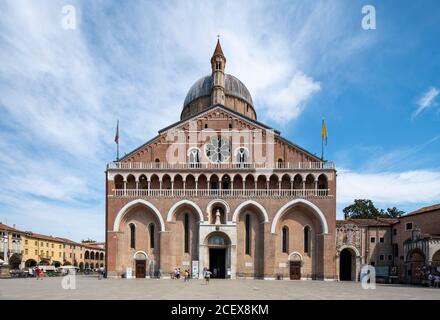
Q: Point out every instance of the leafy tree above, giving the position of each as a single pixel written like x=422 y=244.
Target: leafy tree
x=365 y=209
x=394 y=212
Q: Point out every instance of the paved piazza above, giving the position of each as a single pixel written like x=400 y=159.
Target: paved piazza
x=88 y=287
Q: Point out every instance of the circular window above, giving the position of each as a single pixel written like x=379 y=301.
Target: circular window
x=218 y=149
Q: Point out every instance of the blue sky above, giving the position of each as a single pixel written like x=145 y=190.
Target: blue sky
x=61 y=92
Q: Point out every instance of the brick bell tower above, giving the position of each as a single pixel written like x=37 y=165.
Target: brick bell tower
x=218 y=62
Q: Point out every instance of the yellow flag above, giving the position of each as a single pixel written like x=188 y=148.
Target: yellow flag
x=324 y=132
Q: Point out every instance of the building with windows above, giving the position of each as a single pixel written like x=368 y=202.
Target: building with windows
x=25 y=249
x=11 y=246
x=401 y=248
x=220 y=190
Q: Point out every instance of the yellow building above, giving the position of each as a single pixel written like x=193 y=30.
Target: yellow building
x=83 y=255
x=42 y=250
x=26 y=249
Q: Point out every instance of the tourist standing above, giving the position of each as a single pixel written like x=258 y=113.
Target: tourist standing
x=207 y=275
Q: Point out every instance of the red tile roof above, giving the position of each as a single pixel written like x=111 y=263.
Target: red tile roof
x=378 y=222
x=424 y=210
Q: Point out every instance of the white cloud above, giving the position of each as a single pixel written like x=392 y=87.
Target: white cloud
x=408 y=187
x=426 y=101
x=287 y=103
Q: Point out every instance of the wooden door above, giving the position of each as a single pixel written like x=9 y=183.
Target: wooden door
x=295 y=270
x=140 y=269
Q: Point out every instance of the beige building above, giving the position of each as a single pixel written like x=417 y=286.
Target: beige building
x=400 y=248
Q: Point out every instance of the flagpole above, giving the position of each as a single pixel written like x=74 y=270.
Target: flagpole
x=322 y=148
x=117 y=140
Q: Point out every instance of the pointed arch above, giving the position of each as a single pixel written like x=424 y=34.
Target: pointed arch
x=132 y=204
x=183 y=202
x=246 y=203
x=306 y=203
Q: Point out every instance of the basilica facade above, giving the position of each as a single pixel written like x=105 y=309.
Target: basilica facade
x=221 y=190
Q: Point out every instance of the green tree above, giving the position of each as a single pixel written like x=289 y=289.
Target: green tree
x=361 y=209
x=365 y=209
x=394 y=212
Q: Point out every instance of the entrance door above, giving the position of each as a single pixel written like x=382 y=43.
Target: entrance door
x=295 y=270
x=345 y=264
x=217 y=262
x=140 y=268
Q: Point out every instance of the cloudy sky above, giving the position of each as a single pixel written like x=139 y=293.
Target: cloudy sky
x=61 y=91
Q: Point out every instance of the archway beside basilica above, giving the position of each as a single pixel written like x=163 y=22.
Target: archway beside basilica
x=415 y=262
x=346 y=267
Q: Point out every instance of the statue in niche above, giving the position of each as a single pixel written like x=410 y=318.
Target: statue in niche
x=217 y=217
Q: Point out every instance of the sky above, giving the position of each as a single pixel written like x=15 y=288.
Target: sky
x=64 y=82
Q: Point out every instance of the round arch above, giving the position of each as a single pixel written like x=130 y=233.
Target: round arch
x=213 y=202
x=308 y=204
x=140 y=255
x=351 y=248
x=246 y=203
x=293 y=254
x=183 y=202
x=133 y=203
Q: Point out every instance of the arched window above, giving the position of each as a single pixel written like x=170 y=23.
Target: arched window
x=186 y=226
x=194 y=157
x=151 y=235
x=285 y=240
x=242 y=155
x=248 y=234
x=306 y=239
x=132 y=236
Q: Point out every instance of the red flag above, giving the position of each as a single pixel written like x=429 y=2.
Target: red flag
x=117 y=133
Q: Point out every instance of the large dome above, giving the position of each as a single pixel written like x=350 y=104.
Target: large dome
x=203 y=87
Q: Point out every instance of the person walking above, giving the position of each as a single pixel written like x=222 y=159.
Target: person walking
x=207 y=275
x=186 y=279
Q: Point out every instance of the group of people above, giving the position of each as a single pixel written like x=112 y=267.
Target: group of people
x=36 y=272
x=186 y=274
x=206 y=274
x=432 y=275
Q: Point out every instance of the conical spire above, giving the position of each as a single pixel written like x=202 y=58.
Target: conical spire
x=218 y=49
x=218 y=52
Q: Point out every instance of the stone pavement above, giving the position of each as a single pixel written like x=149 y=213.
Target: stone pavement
x=89 y=287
